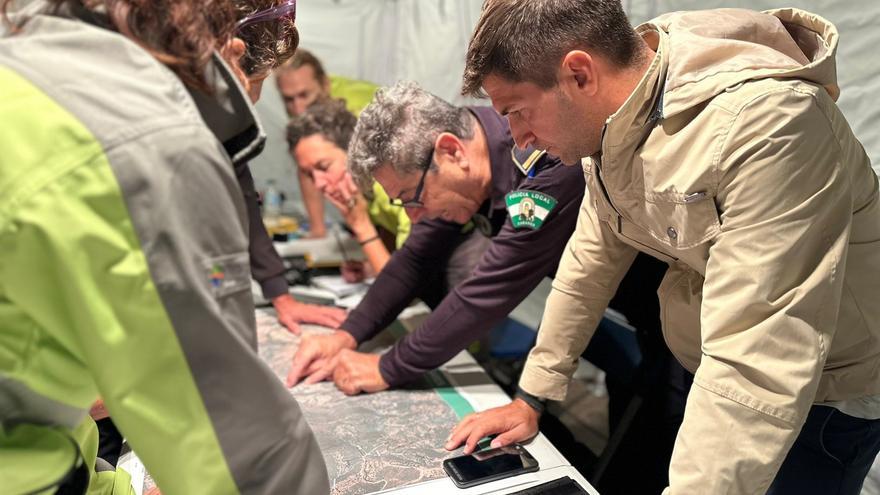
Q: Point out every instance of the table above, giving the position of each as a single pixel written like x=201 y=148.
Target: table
x=473 y=384
x=391 y=442
x=323 y=251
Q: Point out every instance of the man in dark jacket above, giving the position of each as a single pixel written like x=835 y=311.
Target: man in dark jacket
x=447 y=166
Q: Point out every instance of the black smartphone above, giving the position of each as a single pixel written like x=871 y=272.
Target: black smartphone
x=489 y=465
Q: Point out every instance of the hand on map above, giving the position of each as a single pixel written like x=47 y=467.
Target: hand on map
x=515 y=422
x=358 y=372
x=292 y=312
x=317 y=356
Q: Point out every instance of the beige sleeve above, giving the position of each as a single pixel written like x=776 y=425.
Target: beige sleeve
x=592 y=265
x=770 y=298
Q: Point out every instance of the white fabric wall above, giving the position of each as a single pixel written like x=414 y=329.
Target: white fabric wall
x=425 y=40
x=382 y=41
x=858 y=61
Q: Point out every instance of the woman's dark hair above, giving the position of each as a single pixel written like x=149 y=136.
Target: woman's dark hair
x=182 y=34
x=328 y=118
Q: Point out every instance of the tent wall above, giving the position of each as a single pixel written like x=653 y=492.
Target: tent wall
x=388 y=40
x=382 y=41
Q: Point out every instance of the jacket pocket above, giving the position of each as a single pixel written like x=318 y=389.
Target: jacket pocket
x=625 y=229
x=228 y=274
x=681 y=294
x=681 y=221
x=229 y=279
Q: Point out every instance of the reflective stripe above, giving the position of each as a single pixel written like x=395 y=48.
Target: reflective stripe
x=19 y=404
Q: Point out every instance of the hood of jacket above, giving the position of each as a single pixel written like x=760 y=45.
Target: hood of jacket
x=708 y=51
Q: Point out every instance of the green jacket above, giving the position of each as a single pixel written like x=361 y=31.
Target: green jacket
x=125 y=275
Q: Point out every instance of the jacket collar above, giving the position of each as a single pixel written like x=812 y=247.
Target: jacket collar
x=499 y=142
x=229 y=114
x=644 y=106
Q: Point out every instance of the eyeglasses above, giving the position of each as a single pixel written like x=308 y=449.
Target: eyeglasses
x=416 y=201
x=286 y=9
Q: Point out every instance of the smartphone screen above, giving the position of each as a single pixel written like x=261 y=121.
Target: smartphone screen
x=489 y=465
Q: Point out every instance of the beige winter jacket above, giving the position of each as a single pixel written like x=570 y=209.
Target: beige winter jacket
x=731 y=162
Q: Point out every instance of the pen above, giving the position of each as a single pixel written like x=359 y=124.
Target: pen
x=339 y=242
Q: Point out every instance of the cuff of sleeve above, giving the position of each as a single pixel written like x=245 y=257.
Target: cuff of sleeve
x=391 y=373
x=357 y=326
x=274 y=287
x=540 y=383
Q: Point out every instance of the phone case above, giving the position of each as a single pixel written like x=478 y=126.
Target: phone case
x=455 y=475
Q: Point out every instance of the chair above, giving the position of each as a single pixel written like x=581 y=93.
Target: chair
x=615 y=350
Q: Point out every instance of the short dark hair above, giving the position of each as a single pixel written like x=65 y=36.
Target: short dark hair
x=303 y=57
x=328 y=118
x=524 y=40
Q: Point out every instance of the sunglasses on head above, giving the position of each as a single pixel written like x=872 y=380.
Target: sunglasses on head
x=285 y=9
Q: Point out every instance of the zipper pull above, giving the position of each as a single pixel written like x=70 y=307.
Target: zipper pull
x=690 y=198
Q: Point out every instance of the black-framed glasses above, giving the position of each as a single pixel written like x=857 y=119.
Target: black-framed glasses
x=416 y=201
x=285 y=9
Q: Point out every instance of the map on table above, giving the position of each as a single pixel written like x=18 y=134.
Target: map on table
x=370 y=442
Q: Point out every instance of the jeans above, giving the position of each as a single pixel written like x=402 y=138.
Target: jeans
x=831 y=456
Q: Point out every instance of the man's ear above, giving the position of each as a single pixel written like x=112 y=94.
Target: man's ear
x=578 y=73
x=448 y=148
x=325 y=85
x=232 y=52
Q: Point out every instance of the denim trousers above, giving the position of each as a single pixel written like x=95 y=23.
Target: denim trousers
x=831 y=456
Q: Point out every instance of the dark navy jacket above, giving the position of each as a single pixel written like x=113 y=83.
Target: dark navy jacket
x=512 y=266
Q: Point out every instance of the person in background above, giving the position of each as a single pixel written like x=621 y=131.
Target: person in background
x=713 y=142
x=261 y=52
x=125 y=266
x=302 y=81
x=318 y=140
x=260 y=47
x=448 y=166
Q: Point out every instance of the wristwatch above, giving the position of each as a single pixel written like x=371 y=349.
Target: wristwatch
x=535 y=402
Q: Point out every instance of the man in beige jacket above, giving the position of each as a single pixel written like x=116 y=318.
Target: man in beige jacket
x=713 y=143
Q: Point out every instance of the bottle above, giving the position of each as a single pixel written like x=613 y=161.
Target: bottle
x=272 y=202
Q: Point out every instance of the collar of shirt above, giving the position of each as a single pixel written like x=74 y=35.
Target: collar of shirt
x=500 y=142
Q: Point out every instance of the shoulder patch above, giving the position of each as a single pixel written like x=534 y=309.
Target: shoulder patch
x=528 y=209
x=525 y=159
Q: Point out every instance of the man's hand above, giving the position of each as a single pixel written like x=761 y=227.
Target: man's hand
x=358 y=372
x=516 y=422
x=317 y=356
x=292 y=312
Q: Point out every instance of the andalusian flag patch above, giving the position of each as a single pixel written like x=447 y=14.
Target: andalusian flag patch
x=528 y=209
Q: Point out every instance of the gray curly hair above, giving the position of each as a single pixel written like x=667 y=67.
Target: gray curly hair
x=399 y=128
